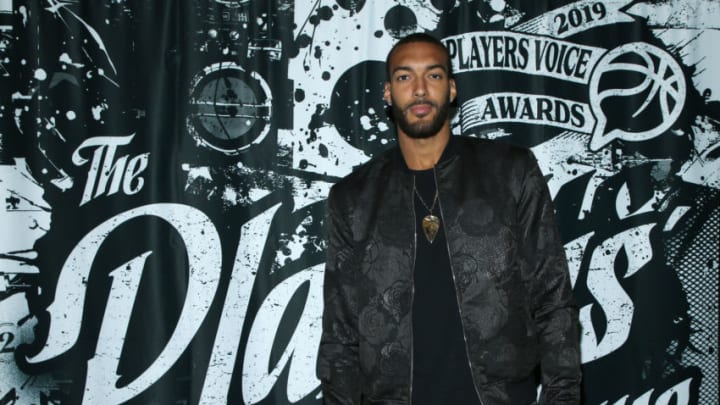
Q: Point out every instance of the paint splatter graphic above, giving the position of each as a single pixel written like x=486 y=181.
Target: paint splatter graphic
x=191 y=146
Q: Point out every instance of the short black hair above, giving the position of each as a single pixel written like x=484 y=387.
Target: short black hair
x=418 y=37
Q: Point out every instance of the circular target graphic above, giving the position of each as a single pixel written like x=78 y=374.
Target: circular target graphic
x=230 y=108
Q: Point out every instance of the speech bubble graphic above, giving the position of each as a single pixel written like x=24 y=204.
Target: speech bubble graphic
x=660 y=91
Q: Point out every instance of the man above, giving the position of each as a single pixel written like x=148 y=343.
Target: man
x=446 y=281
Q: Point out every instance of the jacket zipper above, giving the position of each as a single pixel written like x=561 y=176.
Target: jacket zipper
x=412 y=292
x=457 y=298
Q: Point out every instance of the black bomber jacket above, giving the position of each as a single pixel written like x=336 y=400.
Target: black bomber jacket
x=511 y=278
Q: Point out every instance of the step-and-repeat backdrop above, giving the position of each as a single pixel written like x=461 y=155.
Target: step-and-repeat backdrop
x=164 y=167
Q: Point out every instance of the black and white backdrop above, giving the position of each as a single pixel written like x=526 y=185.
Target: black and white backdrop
x=164 y=167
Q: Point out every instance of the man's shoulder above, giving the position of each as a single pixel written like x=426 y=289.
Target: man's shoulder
x=492 y=151
x=367 y=173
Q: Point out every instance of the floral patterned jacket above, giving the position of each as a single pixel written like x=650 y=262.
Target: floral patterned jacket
x=507 y=260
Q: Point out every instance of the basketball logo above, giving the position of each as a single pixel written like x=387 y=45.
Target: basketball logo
x=637 y=92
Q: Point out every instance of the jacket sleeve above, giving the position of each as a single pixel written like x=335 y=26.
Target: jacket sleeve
x=338 y=366
x=548 y=282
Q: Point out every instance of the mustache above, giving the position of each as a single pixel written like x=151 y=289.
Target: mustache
x=420 y=102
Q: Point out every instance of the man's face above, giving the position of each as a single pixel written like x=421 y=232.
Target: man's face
x=419 y=89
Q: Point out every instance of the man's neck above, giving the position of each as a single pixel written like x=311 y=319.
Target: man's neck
x=424 y=153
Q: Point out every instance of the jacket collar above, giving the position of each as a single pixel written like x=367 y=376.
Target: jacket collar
x=451 y=151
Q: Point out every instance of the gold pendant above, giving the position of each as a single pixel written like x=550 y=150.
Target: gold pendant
x=430 y=225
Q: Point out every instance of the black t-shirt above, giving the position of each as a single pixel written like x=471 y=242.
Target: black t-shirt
x=441 y=371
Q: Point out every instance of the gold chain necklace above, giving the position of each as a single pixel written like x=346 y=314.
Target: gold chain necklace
x=430 y=222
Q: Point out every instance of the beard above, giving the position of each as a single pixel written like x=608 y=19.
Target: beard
x=421 y=130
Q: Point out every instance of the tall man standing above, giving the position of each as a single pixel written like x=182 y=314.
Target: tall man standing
x=446 y=280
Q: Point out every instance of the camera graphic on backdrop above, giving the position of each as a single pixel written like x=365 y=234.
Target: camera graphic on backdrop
x=241 y=96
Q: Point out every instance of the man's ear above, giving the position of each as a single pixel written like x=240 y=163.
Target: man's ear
x=386 y=94
x=453 y=90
